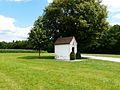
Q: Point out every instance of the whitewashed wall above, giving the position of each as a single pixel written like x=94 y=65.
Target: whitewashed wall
x=62 y=51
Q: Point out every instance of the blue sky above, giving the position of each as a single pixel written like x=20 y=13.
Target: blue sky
x=18 y=16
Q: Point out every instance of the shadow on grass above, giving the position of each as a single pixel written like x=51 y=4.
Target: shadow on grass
x=84 y=58
x=42 y=57
x=36 y=57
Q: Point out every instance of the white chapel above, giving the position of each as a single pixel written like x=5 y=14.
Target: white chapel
x=64 y=46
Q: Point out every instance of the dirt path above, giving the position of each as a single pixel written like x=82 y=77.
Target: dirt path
x=103 y=58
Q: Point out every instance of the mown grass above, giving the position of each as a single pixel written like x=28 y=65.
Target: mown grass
x=105 y=55
x=25 y=71
x=18 y=51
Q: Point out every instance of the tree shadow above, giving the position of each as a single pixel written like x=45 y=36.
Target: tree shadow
x=84 y=58
x=36 y=57
x=42 y=57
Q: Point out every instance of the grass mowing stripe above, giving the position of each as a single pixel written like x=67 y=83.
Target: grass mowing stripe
x=32 y=73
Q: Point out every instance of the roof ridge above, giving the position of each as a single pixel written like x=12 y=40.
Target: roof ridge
x=67 y=37
x=64 y=40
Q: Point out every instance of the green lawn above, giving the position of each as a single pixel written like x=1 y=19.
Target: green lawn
x=25 y=71
x=105 y=55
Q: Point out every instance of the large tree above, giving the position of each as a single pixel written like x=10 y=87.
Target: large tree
x=84 y=19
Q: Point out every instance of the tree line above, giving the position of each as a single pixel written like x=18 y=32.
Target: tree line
x=109 y=43
x=15 y=45
x=25 y=44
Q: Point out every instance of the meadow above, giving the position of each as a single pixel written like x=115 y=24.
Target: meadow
x=26 y=71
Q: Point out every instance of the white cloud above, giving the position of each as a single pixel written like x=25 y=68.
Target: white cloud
x=9 y=32
x=114 y=23
x=111 y=3
x=49 y=1
x=115 y=19
x=113 y=7
x=117 y=16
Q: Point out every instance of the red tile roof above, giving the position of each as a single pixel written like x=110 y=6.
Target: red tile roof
x=64 y=40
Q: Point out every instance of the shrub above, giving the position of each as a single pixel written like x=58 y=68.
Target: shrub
x=78 y=55
x=72 y=56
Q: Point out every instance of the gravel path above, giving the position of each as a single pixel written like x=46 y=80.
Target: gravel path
x=103 y=58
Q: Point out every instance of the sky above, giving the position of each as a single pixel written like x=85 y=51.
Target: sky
x=17 y=16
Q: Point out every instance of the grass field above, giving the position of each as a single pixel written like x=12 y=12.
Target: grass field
x=25 y=71
x=105 y=55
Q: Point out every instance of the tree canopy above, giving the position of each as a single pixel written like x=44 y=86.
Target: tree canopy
x=84 y=19
x=109 y=43
x=37 y=36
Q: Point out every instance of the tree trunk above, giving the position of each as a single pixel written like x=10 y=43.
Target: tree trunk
x=39 y=52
